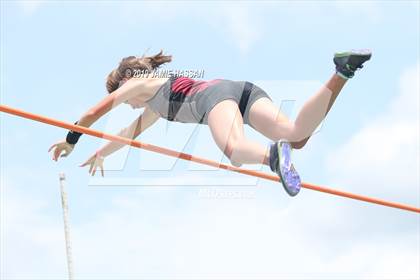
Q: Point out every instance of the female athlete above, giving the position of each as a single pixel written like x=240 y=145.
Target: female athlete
x=224 y=105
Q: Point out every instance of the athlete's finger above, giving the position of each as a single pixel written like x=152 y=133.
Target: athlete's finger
x=102 y=171
x=57 y=152
x=89 y=160
x=54 y=145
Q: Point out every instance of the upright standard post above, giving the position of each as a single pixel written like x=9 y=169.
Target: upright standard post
x=66 y=225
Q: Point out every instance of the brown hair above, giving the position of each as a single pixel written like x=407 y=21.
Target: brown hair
x=130 y=64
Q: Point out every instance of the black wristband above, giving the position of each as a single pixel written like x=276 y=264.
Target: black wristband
x=73 y=136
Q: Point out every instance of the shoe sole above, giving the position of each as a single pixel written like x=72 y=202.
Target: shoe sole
x=364 y=52
x=281 y=175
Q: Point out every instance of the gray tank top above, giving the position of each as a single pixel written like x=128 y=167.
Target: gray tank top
x=177 y=98
x=183 y=99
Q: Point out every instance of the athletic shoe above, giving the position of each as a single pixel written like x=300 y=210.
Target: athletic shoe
x=280 y=162
x=346 y=63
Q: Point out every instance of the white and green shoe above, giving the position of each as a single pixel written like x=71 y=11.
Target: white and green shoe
x=346 y=63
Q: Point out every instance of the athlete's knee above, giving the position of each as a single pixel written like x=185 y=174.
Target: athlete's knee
x=297 y=136
x=229 y=151
x=299 y=144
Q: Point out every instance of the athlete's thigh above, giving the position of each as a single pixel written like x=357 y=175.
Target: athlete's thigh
x=226 y=123
x=267 y=119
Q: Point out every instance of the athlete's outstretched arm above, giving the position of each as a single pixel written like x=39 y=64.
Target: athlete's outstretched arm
x=132 y=131
x=130 y=89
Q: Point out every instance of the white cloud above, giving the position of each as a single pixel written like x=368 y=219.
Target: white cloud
x=157 y=234
x=30 y=7
x=370 y=10
x=383 y=157
x=241 y=23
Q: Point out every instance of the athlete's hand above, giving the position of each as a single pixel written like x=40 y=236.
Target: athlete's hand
x=59 y=148
x=94 y=162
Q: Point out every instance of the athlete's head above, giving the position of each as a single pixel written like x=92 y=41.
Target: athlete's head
x=131 y=65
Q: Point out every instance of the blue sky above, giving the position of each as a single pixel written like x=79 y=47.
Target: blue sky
x=152 y=217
